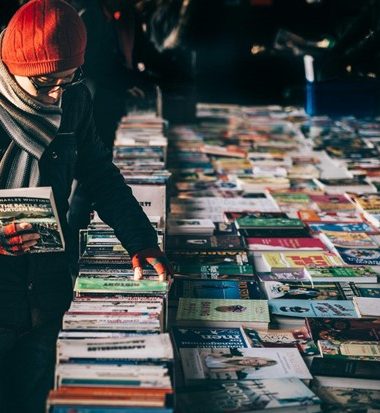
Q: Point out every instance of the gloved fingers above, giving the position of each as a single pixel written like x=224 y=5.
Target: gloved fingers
x=138 y=273
x=161 y=265
x=138 y=264
x=22 y=239
x=13 y=229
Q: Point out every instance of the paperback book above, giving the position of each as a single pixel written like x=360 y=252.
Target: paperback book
x=222 y=312
x=37 y=207
x=242 y=364
x=283 y=395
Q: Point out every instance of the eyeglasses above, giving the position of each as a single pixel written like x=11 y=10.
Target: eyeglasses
x=44 y=86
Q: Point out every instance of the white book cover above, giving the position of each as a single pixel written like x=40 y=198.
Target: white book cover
x=139 y=347
x=242 y=364
x=367 y=306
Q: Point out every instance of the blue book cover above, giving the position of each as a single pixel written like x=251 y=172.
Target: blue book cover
x=218 y=289
x=369 y=290
x=359 y=256
x=341 y=227
x=309 y=308
x=209 y=337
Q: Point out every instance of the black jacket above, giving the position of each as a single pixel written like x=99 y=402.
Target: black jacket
x=77 y=152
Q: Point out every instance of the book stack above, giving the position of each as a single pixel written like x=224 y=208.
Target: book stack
x=284 y=199
x=112 y=352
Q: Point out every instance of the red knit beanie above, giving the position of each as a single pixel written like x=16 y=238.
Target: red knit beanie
x=44 y=36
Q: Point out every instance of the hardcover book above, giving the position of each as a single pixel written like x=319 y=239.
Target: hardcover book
x=37 y=207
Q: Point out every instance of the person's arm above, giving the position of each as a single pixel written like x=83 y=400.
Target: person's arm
x=113 y=198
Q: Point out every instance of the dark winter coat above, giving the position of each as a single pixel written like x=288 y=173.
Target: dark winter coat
x=77 y=152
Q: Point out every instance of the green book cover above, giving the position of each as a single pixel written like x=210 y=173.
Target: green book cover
x=211 y=270
x=223 y=310
x=119 y=284
x=342 y=272
x=253 y=222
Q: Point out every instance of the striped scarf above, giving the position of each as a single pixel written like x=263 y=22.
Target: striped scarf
x=30 y=125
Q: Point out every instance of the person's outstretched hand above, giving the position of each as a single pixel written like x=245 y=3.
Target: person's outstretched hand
x=15 y=239
x=156 y=258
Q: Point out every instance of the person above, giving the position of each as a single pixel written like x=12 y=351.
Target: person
x=47 y=136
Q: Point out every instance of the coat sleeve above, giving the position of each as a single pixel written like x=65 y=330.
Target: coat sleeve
x=105 y=187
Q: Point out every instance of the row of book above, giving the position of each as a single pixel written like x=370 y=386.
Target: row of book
x=274 y=239
x=113 y=354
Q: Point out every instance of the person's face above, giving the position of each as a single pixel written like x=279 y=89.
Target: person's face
x=47 y=88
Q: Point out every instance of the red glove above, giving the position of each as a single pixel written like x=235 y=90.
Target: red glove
x=156 y=258
x=14 y=240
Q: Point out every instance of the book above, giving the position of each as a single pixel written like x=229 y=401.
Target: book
x=242 y=363
x=299 y=338
x=359 y=369
x=367 y=306
x=202 y=337
x=222 y=312
x=369 y=290
x=308 y=259
x=210 y=243
x=354 y=350
x=216 y=289
x=359 y=256
x=356 y=240
x=355 y=274
x=199 y=270
x=309 y=308
x=309 y=290
x=344 y=329
x=37 y=207
x=282 y=395
x=137 y=348
x=284 y=244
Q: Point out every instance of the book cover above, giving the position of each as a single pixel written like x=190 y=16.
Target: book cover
x=356 y=350
x=357 y=240
x=367 y=306
x=37 y=207
x=335 y=367
x=308 y=215
x=138 y=347
x=309 y=308
x=212 y=271
x=346 y=227
x=199 y=309
x=119 y=284
x=354 y=274
x=242 y=363
x=248 y=396
x=253 y=222
x=344 y=329
x=310 y=290
x=193 y=242
x=287 y=274
x=300 y=259
x=369 y=290
x=263 y=244
x=341 y=398
x=202 y=337
x=217 y=289
x=298 y=337
x=359 y=256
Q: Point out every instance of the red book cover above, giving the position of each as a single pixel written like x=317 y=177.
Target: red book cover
x=285 y=243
